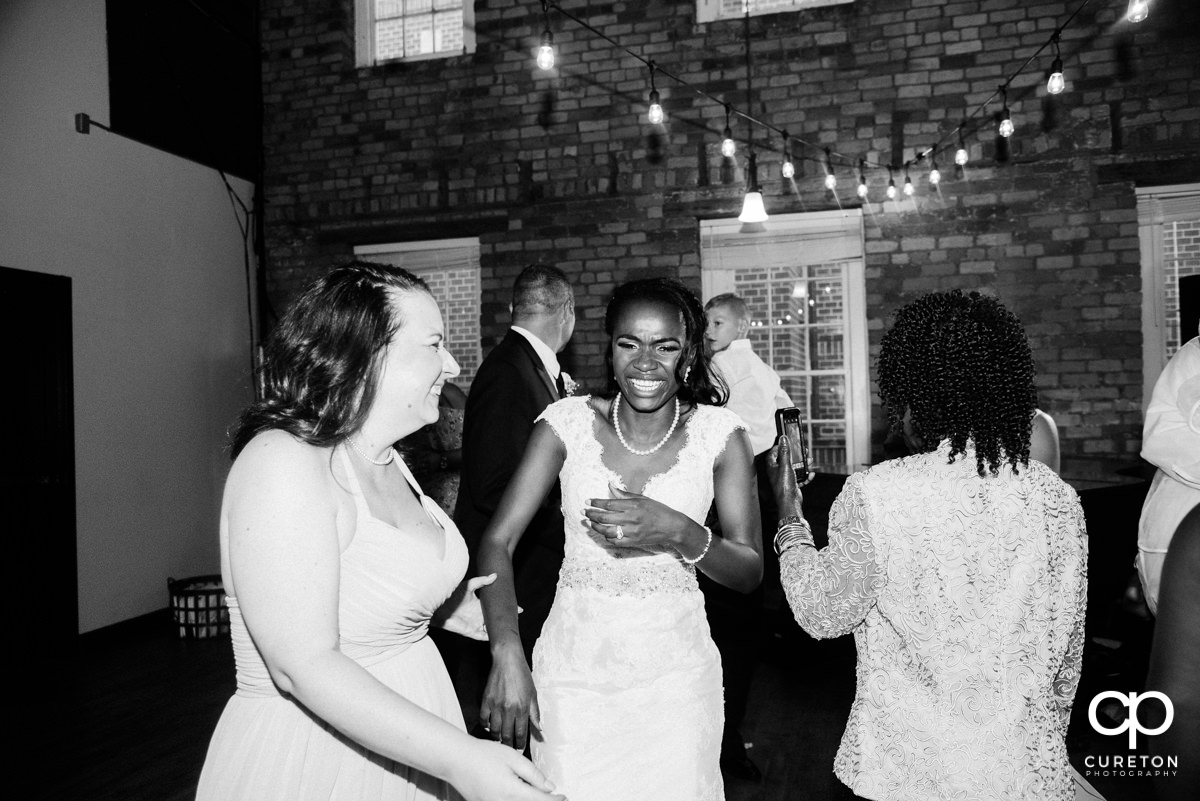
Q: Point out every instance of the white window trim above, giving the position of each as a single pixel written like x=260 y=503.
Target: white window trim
x=710 y=10
x=1158 y=205
x=847 y=222
x=364 y=35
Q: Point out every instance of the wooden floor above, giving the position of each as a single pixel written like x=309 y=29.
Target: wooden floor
x=140 y=710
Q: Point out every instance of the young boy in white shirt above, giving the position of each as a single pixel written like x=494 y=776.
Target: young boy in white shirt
x=736 y=620
x=754 y=388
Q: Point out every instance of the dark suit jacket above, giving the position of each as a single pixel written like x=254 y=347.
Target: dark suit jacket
x=510 y=390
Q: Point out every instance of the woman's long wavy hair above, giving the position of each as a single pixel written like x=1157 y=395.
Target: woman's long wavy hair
x=961 y=366
x=696 y=386
x=321 y=364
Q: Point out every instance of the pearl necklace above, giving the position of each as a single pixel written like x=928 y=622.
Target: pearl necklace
x=661 y=442
x=391 y=454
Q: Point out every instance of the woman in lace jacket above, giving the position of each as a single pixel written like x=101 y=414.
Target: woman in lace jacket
x=961 y=570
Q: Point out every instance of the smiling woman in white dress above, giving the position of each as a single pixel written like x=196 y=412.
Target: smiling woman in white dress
x=335 y=563
x=624 y=700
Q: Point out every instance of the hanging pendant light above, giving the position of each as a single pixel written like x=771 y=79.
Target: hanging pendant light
x=1138 y=10
x=753 y=210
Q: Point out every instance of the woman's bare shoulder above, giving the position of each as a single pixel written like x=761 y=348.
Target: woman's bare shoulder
x=275 y=460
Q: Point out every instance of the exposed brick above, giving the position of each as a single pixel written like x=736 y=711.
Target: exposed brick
x=561 y=167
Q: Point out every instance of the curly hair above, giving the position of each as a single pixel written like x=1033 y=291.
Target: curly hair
x=960 y=365
x=697 y=386
x=321 y=365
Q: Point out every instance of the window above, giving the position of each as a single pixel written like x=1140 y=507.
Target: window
x=391 y=30
x=804 y=281
x=451 y=268
x=710 y=10
x=1169 y=231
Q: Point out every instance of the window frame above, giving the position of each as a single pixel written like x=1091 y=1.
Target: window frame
x=845 y=227
x=364 y=36
x=710 y=10
x=1158 y=207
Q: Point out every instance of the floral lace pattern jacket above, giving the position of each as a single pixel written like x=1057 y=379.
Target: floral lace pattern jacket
x=966 y=596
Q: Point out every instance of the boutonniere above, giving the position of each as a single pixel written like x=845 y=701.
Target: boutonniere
x=569 y=385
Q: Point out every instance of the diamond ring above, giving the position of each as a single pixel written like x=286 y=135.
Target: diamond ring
x=620 y=533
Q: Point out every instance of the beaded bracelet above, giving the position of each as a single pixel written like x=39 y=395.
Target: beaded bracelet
x=704 y=553
x=793 y=530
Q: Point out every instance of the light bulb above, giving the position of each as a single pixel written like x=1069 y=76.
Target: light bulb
x=1006 y=125
x=789 y=169
x=545 y=56
x=830 y=181
x=908 y=187
x=1138 y=10
x=862 y=187
x=655 y=113
x=935 y=176
x=1057 y=82
x=728 y=146
x=961 y=157
x=891 y=190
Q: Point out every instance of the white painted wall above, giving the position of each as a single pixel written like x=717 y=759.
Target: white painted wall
x=161 y=335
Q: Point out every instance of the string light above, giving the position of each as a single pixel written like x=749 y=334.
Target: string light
x=1057 y=82
x=1006 y=123
x=908 y=186
x=728 y=146
x=545 y=56
x=655 y=113
x=1138 y=10
x=788 y=169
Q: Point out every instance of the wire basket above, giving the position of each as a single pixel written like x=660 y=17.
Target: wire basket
x=198 y=607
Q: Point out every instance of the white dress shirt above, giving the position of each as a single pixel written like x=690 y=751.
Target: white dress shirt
x=754 y=391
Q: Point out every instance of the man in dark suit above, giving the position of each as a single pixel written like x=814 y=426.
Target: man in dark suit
x=518 y=379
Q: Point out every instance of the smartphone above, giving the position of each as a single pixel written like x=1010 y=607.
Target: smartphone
x=789 y=422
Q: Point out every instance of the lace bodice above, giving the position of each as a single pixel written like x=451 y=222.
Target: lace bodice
x=628 y=677
x=966 y=596
x=687 y=486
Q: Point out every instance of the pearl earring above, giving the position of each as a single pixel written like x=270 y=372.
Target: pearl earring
x=687 y=371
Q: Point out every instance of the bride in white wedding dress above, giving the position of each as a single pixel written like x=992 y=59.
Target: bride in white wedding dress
x=624 y=700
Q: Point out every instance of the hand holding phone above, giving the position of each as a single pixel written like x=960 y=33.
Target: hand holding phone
x=788 y=422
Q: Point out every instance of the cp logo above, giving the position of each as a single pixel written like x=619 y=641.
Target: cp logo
x=1131 y=723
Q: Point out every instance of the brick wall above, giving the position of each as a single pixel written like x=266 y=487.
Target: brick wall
x=561 y=167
